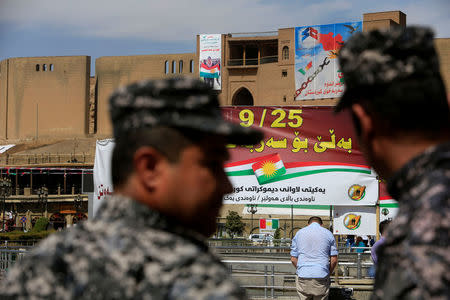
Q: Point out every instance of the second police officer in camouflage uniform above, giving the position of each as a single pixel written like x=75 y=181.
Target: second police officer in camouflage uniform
x=401 y=115
x=147 y=241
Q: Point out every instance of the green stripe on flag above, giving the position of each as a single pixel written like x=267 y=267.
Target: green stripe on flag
x=209 y=75
x=306 y=173
x=241 y=173
x=298 y=174
x=274 y=223
x=302 y=71
x=389 y=205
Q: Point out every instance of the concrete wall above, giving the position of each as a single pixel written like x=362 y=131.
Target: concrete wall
x=44 y=97
x=443 y=49
x=265 y=81
x=3 y=98
x=114 y=71
x=68 y=103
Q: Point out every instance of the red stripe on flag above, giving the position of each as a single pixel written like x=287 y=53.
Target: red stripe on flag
x=248 y=161
x=308 y=66
x=209 y=68
x=320 y=163
x=262 y=223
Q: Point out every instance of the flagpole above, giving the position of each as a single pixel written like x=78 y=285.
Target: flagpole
x=292 y=221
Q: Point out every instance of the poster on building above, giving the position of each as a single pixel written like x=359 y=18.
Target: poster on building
x=317 y=73
x=307 y=157
x=102 y=172
x=210 y=60
x=360 y=220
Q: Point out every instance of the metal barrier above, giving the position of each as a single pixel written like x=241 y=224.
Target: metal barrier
x=275 y=278
x=8 y=256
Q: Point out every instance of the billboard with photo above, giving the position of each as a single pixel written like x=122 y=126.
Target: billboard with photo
x=317 y=47
x=210 y=63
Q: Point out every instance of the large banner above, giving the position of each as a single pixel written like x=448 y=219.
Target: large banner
x=210 y=59
x=355 y=220
x=102 y=172
x=308 y=157
x=5 y=148
x=317 y=73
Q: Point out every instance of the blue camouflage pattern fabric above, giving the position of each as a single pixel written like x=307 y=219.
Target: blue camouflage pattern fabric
x=378 y=60
x=127 y=252
x=414 y=261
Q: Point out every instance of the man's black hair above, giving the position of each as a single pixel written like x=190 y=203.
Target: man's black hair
x=414 y=105
x=315 y=219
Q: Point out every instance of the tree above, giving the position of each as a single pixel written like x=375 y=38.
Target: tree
x=234 y=224
x=277 y=237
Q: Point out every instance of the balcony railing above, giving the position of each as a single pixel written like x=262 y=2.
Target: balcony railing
x=252 y=61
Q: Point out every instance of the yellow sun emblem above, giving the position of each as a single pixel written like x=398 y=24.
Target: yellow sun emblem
x=269 y=169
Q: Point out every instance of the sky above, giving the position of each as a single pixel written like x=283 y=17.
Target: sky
x=136 y=27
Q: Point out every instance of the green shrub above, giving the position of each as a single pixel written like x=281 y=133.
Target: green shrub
x=41 y=225
x=21 y=236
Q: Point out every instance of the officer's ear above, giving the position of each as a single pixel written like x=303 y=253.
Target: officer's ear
x=148 y=166
x=365 y=125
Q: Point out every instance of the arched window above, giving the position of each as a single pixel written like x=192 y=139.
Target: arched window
x=174 y=66
x=51 y=68
x=191 y=67
x=285 y=52
x=37 y=68
x=44 y=67
x=180 y=67
x=166 y=67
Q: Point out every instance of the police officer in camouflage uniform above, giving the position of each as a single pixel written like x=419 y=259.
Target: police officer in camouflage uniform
x=148 y=240
x=398 y=101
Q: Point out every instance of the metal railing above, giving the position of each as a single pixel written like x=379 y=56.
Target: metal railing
x=8 y=256
x=47 y=158
x=252 y=61
x=270 y=277
x=253 y=34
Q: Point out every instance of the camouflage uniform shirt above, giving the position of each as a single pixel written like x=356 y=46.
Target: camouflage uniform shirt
x=128 y=252
x=414 y=261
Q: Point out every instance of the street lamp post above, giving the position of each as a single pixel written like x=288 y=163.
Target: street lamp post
x=43 y=198
x=5 y=192
x=78 y=202
x=252 y=209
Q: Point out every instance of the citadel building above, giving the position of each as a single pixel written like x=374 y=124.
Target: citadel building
x=52 y=110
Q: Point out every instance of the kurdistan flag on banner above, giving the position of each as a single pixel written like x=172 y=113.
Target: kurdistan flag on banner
x=209 y=72
x=268 y=167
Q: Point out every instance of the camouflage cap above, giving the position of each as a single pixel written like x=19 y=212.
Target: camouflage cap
x=175 y=102
x=379 y=58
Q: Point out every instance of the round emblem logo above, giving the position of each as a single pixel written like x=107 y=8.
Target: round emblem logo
x=357 y=192
x=352 y=221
